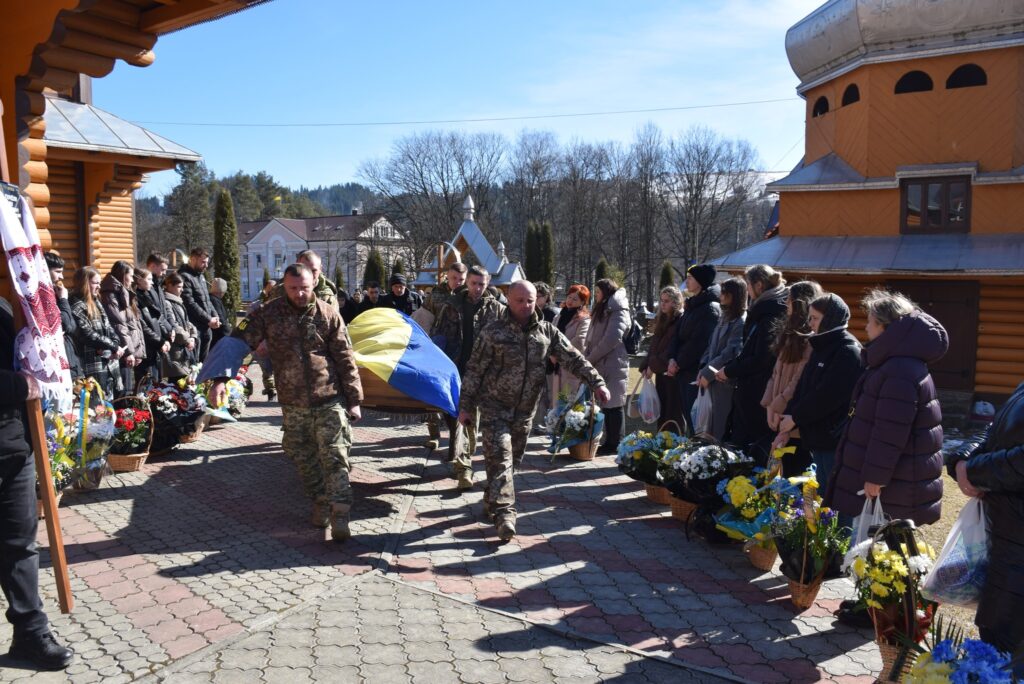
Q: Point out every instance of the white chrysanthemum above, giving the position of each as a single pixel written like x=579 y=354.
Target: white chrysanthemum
x=576 y=420
x=920 y=564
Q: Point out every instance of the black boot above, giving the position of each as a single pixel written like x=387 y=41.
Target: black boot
x=42 y=650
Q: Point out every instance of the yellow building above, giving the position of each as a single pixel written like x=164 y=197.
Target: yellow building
x=913 y=172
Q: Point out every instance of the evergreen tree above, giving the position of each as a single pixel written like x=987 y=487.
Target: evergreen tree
x=339 y=277
x=532 y=257
x=398 y=267
x=189 y=207
x=546 y=243
x=225 y=251
x=668 y=275
x=266 y=276
x=247 y=203
x=374 y=268
x=601 y=270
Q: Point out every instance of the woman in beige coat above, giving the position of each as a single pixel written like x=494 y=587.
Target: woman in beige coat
x=574 y=322
x=792 y=349
x=606 y=351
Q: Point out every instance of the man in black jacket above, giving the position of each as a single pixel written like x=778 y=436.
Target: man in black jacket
x=55 y=264
x=196 y=296
x=991 y=466
x=401 y=297
x=19 y=560
x=157 y=265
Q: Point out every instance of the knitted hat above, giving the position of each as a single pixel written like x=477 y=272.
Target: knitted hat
x=703 y=274
x=397 y=279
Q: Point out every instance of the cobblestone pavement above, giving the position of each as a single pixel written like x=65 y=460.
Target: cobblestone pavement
x=203 y=565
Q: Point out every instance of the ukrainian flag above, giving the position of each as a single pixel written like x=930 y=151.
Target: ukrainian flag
x=396 y=349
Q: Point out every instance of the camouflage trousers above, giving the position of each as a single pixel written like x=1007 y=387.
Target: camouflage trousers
x=318 y=440
x=462 y=446
x=504 y=443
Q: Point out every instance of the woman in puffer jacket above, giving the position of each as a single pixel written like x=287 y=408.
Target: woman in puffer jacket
x=182 y=355
x=892 y=445
x=119 y=303
x=724 y=346
x=991 y=466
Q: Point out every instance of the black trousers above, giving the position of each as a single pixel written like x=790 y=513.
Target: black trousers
x=614 y=423
x=205 y=337
x=19 y=558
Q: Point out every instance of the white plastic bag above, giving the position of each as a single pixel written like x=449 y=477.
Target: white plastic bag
x=647 y=402
x=700 y=415
x=870 y=516
x=959 y=572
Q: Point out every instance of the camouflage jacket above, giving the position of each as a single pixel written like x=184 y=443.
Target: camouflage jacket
x=437 y=298
x=505 y=374
x=447 y=330
x=310 y=350
x=324 y=290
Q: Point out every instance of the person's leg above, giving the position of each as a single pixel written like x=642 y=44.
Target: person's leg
x=333 y=444
x=465 y=446
x=204 y=344
x=721 y=408
x=499 y=492
x=300 y=444
x=614 y=424
x=688 y=395
x=19 y=559
x=433 y=431
x=824 y=464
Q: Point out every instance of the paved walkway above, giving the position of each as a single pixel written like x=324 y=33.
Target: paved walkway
x=203 y=567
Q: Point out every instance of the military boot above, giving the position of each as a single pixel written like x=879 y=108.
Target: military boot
x=506 y=526
x=465 y=478
x=321 y=514
x=339 y=526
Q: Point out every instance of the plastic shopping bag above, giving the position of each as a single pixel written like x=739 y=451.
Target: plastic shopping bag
x=700 y=415
x=870 y=516
x=648 y=403
x=959 y=572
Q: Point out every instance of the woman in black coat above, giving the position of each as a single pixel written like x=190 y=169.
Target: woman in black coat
x=55 y=264
x=752 y=369
x=157 y=343
x=992 y=467
x=693 y=332
x=821 y=403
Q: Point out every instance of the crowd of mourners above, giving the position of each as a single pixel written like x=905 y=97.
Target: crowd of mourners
x=775 y=361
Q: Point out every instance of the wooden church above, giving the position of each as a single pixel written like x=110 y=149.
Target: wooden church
x=913 y=172
x=77 y=164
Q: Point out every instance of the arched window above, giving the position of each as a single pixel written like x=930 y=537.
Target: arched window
x=913 y=82
x=967 y=76
x=820 y=107
x=851 y=94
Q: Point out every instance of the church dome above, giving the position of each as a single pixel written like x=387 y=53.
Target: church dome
x=842 y=35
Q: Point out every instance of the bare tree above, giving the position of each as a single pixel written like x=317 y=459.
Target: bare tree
x=711 y=183
x=529 y=189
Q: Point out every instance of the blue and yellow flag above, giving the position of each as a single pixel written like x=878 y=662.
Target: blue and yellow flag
x=396 y=349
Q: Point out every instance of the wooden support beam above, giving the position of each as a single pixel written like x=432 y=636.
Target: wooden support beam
x=148 y=163
x=106 y=29
x=116 y=10
x=88 y=42
x=75 y=61
x=172 y=17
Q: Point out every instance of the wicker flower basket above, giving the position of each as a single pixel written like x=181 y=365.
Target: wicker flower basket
x=803 y=595
x=39 y=504
x=762 y=558
x=658 y=495
x=584 y=451
x=682 y=510
x=897 y=662
x=128 y=463
x=194 y=436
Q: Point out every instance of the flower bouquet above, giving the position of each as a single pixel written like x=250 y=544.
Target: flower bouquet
x=692 y=471
x=961 y=660
x=751 y=504
x=808 y=536
x=178 y=413
x=575 y=424
x=888 y=570
x=133 y=436
x=92 y=418
x=62 y=449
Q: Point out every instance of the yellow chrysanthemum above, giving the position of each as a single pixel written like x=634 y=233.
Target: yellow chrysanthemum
x=879 y=589
x=859 y=566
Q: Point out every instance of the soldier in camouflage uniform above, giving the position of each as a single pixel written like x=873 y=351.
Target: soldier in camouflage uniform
x=315 y=367
x=467 y=312
x=503 y=381
x=434 y=302
x=324 y=289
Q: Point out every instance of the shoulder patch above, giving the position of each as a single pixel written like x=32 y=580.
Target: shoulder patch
x=244 y=324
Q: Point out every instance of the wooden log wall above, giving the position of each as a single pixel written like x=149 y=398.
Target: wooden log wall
x=111 y=220
x=66 y=213
x=1000 y=361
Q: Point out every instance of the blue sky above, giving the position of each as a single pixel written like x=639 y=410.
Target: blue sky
x=328 y=61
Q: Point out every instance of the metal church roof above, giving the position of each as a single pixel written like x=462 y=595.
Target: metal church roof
x=73 y=125
x=998 y=254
